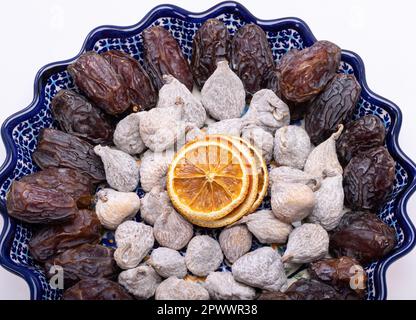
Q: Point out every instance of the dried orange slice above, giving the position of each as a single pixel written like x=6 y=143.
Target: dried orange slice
x=207 y=179
x=257 y=188
x=262 y=172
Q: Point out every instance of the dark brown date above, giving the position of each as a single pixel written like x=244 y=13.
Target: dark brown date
x=340 y=273
x=97 y=79
x=49 y=241
x=368 y=179
x=210 y=45
x=362 y=236
x=34 y=204
x=303 y=74
x=359 y=136
x=59 y=149
x=77 y=116
x=162 y=56
x=140 y=90
x=65 y=180
x=332 y=107
x=96 y=289
x=308 y=289
x=252 y=58
x=82 y=262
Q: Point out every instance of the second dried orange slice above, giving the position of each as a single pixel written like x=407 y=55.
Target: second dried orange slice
x=207 y=179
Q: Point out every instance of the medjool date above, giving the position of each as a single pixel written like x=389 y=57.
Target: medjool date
x=66 y=180
x=96 y=289
x=59 y=149
x=34 y=204
x=139 y=86
x=332 y=107
x=77 y=116
x=162 y=56
x=252 y=58
x=49 y=241
x=97 y=79
x=210 y=45
x=368 y=179
x=362 y=236
x=303 y=74
x=340 y=273
x=360 y=136
x=305 y=289
x=83 y=262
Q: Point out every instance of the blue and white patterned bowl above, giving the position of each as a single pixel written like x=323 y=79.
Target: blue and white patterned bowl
x=21 y=130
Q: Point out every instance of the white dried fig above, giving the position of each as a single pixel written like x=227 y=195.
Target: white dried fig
x=127 y=135
x=222 y=286
x=329 y=207
x=113 y=207
x=291 y=202
x=153 y=169
x=230 y=127
x=307 y=243
x=223 y=94
x=121 y=169
x=153 y=204
x=266 y=227
x=323 y=158
x=134 y=241
x=261 y=139
x=235 y=241
x=267 y=111
x=168 y=263
x=291 y=146
x=293 y=175
x=178 y=289
x=172 y=230
x=261 y=268
x=203 y=255
x=141 y=281
x=176 y=94
x=162 y=128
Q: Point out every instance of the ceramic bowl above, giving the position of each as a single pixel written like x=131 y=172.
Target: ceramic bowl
x=20 y=131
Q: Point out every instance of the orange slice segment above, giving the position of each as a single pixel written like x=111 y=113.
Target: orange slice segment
x=252 y=196
x=262 y=172
x=207 y=179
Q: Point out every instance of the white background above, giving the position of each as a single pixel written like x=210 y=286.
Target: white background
x=34 y=33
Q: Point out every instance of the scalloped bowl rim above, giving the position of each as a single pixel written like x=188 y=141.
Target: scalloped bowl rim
x=7 y=233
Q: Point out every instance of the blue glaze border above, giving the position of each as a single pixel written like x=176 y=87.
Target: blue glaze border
x=7 y=233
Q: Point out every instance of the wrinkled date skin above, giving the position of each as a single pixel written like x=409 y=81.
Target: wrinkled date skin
x=340 y=273
x=303 y=74
x=96 y=289
x=77 y=116
x=363 y=237
x=163 y=56
x=304 y=289
x=85 y=261
x=34 y=204
x=332 y=107
x=368 y=179
x=359 y=136
x=252 y=58
x=210 y=45
x=139 y=86
x=69 y=181
x=59 y=149
x=49 y=241
x=97 y=79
